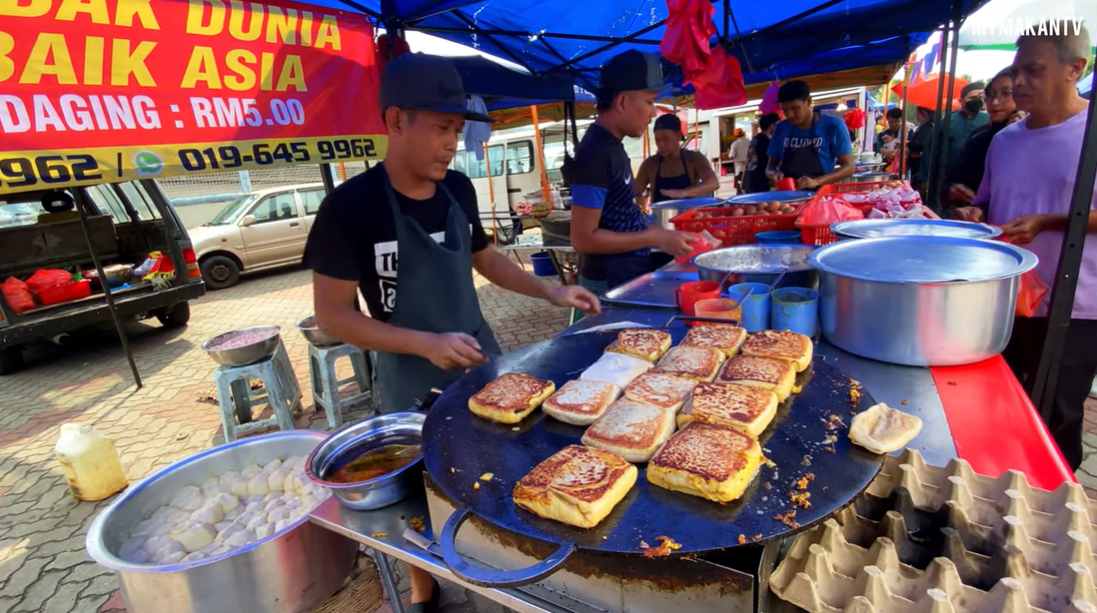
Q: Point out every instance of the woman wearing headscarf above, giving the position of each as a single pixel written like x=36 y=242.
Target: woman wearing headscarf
x=673 y=172
x=962 y=183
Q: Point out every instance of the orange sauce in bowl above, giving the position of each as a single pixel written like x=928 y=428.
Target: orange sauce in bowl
x=376 y=463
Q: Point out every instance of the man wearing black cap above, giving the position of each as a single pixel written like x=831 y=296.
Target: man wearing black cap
x=808 y=146
x=607 y=225
x=961 y=125
x=425 y=324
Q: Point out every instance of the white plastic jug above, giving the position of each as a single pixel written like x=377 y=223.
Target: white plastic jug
x=90 y=462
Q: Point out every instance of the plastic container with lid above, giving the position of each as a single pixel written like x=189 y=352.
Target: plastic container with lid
x=90 y=462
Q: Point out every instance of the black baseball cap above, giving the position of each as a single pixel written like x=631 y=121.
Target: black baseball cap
x=630 y=71
x=417 y=81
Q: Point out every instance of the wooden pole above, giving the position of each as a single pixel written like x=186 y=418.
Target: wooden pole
x=647 y=144
x=546 y=191
x=342 y=171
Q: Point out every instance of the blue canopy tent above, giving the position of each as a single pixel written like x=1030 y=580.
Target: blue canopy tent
x=502 y=87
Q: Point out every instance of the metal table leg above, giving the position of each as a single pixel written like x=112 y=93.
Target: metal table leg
x=385 y=568
x=559 y=268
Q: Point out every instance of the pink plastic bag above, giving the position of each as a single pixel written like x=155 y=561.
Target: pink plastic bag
x=1030 y=294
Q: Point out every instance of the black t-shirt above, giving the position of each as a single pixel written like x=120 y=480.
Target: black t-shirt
x=757 y=161
x=354 y=235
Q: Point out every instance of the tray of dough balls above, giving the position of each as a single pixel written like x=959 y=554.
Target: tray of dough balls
x=213 y=504
x=652 y=441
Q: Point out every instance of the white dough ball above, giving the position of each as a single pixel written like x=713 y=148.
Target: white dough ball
x=241 y=538
x=209 y=514
x=196 y=537
x=151 y=527
x=238 y=486
x=220 y=527
x=233 y=514
x=276 y=481
x=255 y=507
x=272 y=466
x=264 y=531
x=155 y=543
x=292 y=501
x=227 y=476
x=260 y=519
x=211 y=487
x=188 y=499
x=133 y=550
x=228 y=502
x=294 y=461
x=168 y=549
x=250 y=471
x=290 y=485
x=194 y=557
x=224 y=535
x=279 y=514
x=273 y=504
x=169 y=515
x=308 y=503
x=296 y=514
x=282 y=525
x=257 y=486
x=172 y=558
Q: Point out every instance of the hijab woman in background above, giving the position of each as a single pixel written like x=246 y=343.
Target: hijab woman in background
x=962 y=183
x=673 y=172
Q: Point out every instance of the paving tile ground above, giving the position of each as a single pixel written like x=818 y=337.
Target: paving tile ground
x=43 y=566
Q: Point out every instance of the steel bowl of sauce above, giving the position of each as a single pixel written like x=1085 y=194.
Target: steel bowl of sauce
x=371 y=464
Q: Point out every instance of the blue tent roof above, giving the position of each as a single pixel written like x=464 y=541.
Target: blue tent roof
x=502 y=87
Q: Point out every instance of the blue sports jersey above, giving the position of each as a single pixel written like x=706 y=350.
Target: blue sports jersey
x=603 y=180
x=829 y=135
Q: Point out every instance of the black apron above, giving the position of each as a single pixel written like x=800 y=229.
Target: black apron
x=434 y=293
x=797 y=162
x=658 y=184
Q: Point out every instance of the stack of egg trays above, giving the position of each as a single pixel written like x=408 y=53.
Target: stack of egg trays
x=927 y=539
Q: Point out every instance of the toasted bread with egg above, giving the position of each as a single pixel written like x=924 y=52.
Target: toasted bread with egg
x=510 y=398
x=663 y=390
x=728 y=339
x=632 y=430
x=781 y=344
x=644 y=343
x=708 y=460
x=697 y=363
x=581 y=402
x=577 y=485
x=747 y=409
x=768 y=373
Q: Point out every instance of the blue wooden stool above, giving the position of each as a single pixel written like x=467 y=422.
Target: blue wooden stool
x=325 y=383
x=236 y=398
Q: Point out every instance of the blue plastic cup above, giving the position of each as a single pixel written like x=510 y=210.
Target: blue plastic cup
x=795 y=309
x=756 y=306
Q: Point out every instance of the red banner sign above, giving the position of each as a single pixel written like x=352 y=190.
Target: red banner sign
x=94 y=91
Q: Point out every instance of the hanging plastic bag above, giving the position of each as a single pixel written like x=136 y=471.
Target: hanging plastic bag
x=724 y=86
x=17 y=295
x=689 y=28
x=825 y=211
x=1030 y=294
x=45 y=279
x=769 y=99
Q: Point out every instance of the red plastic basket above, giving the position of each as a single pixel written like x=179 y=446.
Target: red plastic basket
x=731 y=230
x=821 y=235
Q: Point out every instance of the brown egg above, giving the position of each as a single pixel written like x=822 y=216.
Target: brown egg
x=737 y=212
x=785 y=210
x=774 y=207
x=750 y=209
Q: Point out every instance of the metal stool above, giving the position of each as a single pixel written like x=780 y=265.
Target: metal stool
x=325 y=383
x=235 y=396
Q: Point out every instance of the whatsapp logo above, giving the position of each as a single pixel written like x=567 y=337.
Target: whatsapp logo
x=148 y=163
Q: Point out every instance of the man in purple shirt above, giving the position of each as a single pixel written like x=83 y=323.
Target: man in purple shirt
x=1027 y=189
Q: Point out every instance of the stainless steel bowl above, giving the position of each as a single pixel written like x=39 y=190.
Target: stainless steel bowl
x=350 y=442
x=292 y=571
x=758 y=264
x=266 y=343
x=316 y=335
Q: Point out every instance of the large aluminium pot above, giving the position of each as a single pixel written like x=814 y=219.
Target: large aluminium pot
x=757 y=264
x=292 y=571
x=920 y=300
x=663 y=212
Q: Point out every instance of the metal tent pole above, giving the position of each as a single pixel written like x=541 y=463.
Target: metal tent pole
x=328 y=177
x=903 y=136
x=1066 y=275
x=929 y=157
x=954 y=47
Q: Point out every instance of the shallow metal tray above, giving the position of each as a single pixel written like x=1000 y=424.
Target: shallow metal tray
x=654 y=290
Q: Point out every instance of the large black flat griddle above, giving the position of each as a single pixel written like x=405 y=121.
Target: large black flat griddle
x=460 y=447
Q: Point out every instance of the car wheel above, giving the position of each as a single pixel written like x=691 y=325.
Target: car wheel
x=176 y=317
x=11 y=359
x=219 y=272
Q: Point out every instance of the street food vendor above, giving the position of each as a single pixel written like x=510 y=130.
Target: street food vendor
x=674 y=172
x=608 y=227
x=808 y=146
x=424 y=324
x=1027 y=187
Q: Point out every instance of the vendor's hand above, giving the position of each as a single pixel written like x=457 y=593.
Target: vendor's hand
x=675 y=194
x=577 y=297
x=776 y=176
x=675 y=243
x=961 y=193
x=454 y=350
x=807 y=183
x=1024 y=229
x=968 y=213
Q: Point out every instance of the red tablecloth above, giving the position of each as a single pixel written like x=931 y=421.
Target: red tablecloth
x=995 y=426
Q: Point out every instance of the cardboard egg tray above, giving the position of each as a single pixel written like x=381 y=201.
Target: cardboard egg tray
x=926 y=539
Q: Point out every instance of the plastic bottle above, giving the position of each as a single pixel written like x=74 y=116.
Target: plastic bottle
x=90 y=463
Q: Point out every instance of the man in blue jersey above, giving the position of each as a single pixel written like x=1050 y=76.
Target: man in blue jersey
x=607 y=226
x=808 y=146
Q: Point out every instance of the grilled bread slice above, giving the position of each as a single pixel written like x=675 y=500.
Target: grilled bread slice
x=781 y=344
x=728 y=339
x=644 y=343
x=581 y=402
x=768 y=373
x=747 y=409
x=660 y=389
x=616 y=368
x=632 y=430
x=882 y=429
x=697 y=363
x=576 y=485
x=708 y=460
x=510 y=398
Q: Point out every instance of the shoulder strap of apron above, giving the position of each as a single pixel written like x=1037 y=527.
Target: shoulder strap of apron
x=390 y=195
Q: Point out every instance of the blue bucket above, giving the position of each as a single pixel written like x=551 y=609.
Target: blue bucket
x=795 y=309
x=542 y=264
x=778 y=237
x=756 y=306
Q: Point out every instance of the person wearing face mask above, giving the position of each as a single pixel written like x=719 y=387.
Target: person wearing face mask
x=959 y=188
x=608 y=228
x=1027 y=188
x=812 y=148
x=961 y=124
x=674 y=172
